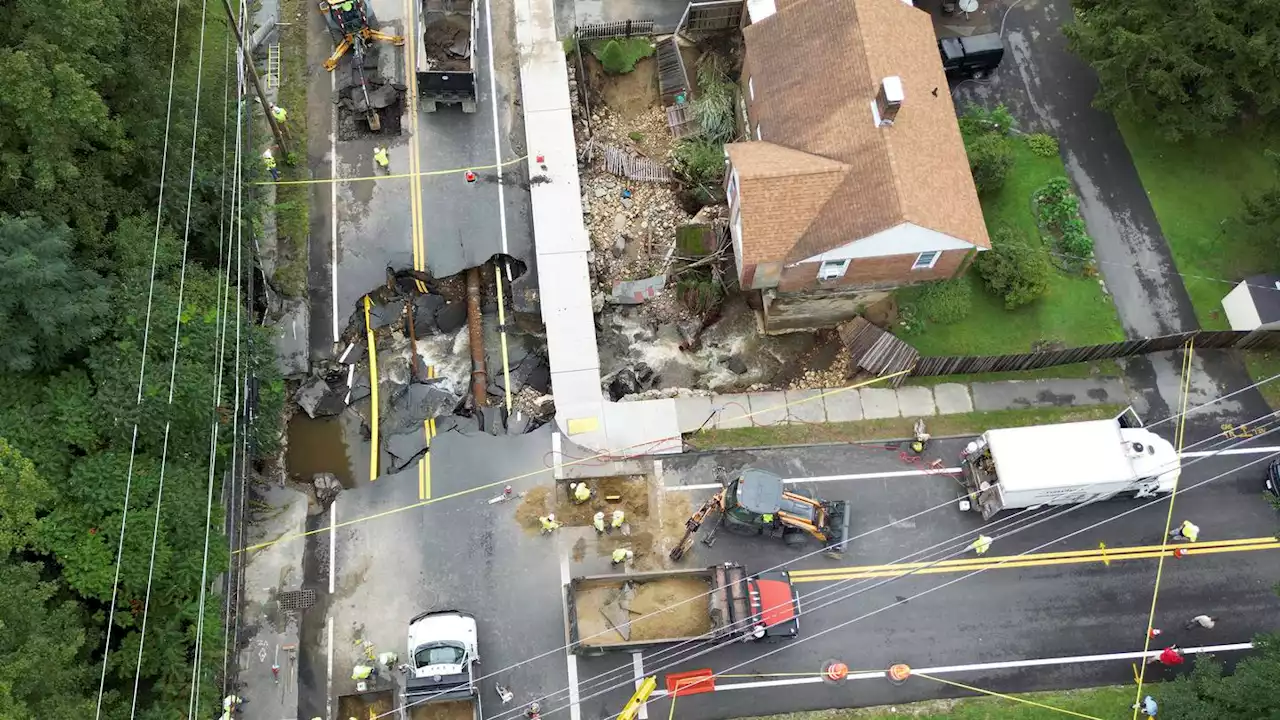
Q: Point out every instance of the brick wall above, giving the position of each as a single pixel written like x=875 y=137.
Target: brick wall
x=885 y=270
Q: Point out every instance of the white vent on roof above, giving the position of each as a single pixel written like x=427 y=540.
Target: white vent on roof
x=758 y=10
x=888 y=100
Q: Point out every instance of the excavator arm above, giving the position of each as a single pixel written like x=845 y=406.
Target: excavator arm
x=694 y=524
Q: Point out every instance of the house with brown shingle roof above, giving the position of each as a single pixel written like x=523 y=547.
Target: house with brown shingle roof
x=854 y=180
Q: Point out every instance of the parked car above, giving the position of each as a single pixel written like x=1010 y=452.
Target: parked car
x=1272 y=482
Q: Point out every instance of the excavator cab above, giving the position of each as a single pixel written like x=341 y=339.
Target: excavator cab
x=757 y=503
x=351 y=23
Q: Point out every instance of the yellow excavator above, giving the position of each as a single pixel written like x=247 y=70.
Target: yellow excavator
x=756 y=503
x=351 y=24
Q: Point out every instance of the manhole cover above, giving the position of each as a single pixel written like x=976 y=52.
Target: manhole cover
x=296 y=600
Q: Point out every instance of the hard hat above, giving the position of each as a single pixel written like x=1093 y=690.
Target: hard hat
x=552 y=517
x=266 y=153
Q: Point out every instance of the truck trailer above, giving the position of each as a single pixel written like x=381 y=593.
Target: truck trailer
x=440 y=682
x=446 y=63
x=636 y=611
x=1065 y=464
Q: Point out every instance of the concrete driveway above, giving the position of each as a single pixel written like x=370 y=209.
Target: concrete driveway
x=1049 y=89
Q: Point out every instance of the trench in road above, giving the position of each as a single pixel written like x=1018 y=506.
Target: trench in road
x=1070 y=557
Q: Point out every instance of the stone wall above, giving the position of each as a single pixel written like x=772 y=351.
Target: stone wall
x=793 y=312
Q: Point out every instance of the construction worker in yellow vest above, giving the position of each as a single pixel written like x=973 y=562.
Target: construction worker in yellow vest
x=622 y=555
x=279 y=113
x=597 y=522
x=616 y=521
x=549 y=523
x=1188 y=531
x=981 y=545
x=362 y=672
x=581 y=492
x=270 y=162
x=380 y=158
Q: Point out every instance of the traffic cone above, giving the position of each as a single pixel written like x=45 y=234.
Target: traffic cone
x=471 y=176
x=1179 y=552
x=1155 y=633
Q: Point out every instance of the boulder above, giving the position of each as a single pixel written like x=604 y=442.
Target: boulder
x=327 y=487
x=737 y=364
x=451 y=317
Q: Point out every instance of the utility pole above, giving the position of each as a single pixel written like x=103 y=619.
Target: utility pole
x=257 y=85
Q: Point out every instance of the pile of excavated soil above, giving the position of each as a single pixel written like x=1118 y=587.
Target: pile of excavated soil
x=657 y=610
x=536 y=503
x=444 y=34
x=687 y=619
x=632 y=490
x=454 y=710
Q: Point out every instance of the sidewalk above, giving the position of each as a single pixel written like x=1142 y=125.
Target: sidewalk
x=561 y=243
x=725 y=412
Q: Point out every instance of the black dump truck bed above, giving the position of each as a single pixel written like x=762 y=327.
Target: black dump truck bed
x=446 y=53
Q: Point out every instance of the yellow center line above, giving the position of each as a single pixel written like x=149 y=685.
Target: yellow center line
x=502 y=330
x=424 y=465
x=415 y=184
x=373 y=393
x=1110 y=555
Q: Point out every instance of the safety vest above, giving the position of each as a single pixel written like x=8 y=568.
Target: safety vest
x=982 y=544
x=269 y=161
x=361 y=672
x=618 y=517
x=621 y=555
x=279 y=114
x=548 y=523
x=581 y=492
x=1191 y=530
x=380 y=157
x=598 y=522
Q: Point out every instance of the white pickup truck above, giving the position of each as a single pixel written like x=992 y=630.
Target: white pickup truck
x=441 y=679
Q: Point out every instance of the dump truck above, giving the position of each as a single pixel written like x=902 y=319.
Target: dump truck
x=446 y=64
x=1065 y=464
x=440 y=677
x=637 y=611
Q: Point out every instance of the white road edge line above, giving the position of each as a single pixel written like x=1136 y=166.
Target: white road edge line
x=328 y=695
x=497 y=138
x=1005 y=665
x=571 y=660
x=637 y=669
x=952 y=470
x=834 y=478
x=333 y=206
x=333 y=541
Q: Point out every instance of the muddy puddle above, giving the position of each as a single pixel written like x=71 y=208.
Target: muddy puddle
x=322 y=445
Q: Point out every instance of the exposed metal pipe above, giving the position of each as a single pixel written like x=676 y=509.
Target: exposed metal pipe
x=475 y=324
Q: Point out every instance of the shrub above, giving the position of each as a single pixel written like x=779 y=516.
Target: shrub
x=1043 y=145
x=699 y=161
x=946 y=302
x=978 y=120
x=1014 y=268
x=909 y=321
x=619 y=56
x=990 y=159
x=1059 y=210
x=636 y=136
x=713 y=108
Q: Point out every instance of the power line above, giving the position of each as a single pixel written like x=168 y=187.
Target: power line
x=838 y=585
x=173 y=365
x=782 y=565
x=142 y=366
x=220 y=320
x=902 y=601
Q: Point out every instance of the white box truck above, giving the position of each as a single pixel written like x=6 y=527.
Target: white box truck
x=1065 y=464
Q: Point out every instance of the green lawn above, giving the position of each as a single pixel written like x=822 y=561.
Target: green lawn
x=972 y=423
x=1196 y=189
x=1073 y=312
x=1110 y=703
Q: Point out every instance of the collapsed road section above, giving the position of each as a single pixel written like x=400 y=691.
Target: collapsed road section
x=434 y=343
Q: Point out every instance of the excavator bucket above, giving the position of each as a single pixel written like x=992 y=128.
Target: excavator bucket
x=837 y=529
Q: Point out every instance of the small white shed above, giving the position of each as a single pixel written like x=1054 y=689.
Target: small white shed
x=1254 y=304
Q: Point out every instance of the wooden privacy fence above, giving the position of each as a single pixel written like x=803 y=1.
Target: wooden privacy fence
x=1204 y=340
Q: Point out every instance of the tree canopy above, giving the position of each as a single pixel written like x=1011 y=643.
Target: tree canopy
x=84 y=116
x=1208 y=694
x=1189 y=68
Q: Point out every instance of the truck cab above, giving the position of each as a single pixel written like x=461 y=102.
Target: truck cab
x=972 y=56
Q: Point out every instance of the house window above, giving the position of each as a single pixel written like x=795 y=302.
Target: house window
x=731 y=193
x=832 y=269
x=751 y=89
x=757 y=131
x=926 y=260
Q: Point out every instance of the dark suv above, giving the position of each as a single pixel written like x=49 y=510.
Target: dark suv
x=1272 y=482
